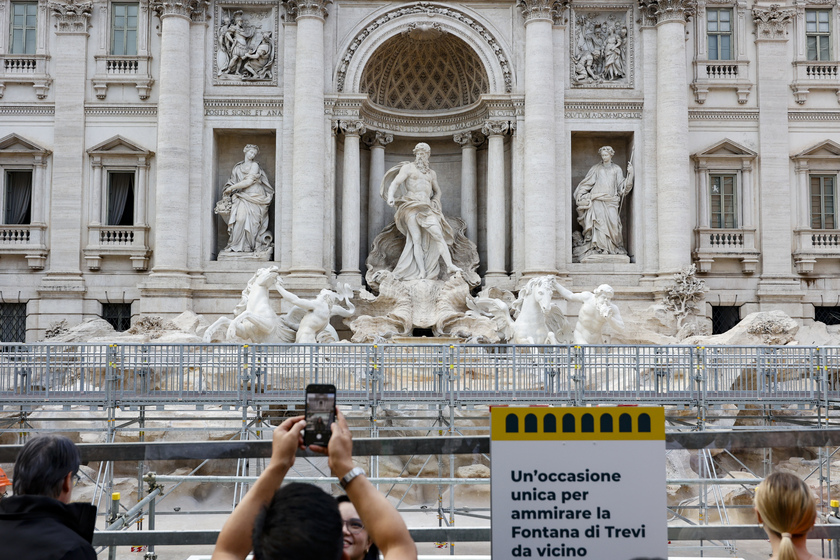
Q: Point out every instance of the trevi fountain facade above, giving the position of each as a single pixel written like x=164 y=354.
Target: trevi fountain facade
x=410 y=166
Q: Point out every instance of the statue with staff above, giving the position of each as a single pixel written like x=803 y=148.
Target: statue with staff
x=599 y=198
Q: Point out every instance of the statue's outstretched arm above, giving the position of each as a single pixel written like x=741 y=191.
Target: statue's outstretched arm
x=568 y=294
x=295 y=300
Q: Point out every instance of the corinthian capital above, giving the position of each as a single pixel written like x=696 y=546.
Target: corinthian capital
x=183 y=8
x=772 y=23
x=71 y=16
x=495 y=128
x=669 y=10
x=296 y=9
x=382 y=138
x=540 y=9
x=353 y=128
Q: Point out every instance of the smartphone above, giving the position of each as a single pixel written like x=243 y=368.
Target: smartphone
x=320 y=414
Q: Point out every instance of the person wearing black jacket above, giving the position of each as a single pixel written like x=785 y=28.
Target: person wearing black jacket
x=39 y=522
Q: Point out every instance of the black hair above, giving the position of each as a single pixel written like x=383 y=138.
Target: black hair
x=373 y=551
x=43 y=464
x=301 y=522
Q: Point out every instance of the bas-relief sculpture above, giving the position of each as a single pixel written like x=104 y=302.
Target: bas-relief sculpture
x=308 y=320
x=599 y=197
x=244 y=206
x=244 y=51
x=600 y=50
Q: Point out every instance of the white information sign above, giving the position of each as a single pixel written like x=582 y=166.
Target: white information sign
x=578 y=483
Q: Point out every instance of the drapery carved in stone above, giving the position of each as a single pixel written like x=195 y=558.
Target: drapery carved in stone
x=539 y=9
x=432 y=11
x=669 y=10
x=601 y=49
x=296 y=9
x=184 y=8
x=424 y=70
x=245 y=45
x=71 y=16
x=772 y=23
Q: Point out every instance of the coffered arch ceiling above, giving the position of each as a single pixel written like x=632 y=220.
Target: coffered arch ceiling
x=424 y=69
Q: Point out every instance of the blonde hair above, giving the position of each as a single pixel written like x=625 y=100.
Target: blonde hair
x=787 y=508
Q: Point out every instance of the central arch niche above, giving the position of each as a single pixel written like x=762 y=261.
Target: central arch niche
x=424 y=69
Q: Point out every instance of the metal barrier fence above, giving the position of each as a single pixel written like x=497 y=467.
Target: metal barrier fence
x=158 y=374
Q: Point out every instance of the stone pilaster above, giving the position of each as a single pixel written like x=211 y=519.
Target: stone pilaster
x=673 y=174
x=777 y=285
x=351 y=197
x=376 y=206
x=539 y=196
x=308 y=163
x=469 y=181
x=495 y=131
x=63 y=283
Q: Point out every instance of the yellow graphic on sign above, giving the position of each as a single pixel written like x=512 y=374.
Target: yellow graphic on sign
x=576 y=423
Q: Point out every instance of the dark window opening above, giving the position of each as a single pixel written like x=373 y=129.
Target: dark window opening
x=827 y=315
x=13 y=322
x=550 y=424
x=18 y=198
x=625 y=423
x=422 y=332
x=644 y=422
x=121 y=198
x=531 y=423
x=512 y=424
x=606 y=423
x=724 y=317
x=587 y=423
x=118 y=315
x=569 y=423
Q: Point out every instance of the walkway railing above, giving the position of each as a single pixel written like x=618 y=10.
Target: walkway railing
x=157 y=374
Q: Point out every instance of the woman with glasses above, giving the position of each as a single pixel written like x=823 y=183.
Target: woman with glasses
x=357 y=543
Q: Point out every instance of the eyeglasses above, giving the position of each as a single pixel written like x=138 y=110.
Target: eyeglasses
x=355 y=526
x=76 y=479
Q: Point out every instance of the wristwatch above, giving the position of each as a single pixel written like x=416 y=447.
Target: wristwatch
x=347 y=478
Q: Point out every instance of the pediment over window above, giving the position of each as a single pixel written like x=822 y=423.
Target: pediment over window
x=118 y=145
x=823 y=150
x=13 y=144
x=726 y=148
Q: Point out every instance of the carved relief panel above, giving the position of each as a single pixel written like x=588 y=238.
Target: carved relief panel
x=602 y=47
x=245 y=44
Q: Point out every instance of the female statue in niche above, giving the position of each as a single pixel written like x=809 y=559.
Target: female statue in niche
x=598 y=198
x=244 y=206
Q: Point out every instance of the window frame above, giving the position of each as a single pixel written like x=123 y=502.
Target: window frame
x=822 y=207
x=719 y=34
x=4 y=191
x=735 y=195
x=27 y=30
x=827 y=35
x=108 y=171
x=112 y=28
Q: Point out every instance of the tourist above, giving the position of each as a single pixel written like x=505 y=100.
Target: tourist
x=39 y=522
x=357 y=542
x=302 y=522
x=787 y=511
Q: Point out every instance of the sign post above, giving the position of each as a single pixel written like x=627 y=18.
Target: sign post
x=578 y=483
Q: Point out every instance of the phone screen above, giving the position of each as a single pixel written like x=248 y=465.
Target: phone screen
x=320 y=414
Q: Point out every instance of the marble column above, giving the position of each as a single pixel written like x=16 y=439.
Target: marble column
x=376 y=206
x=63 y=284
x=173 y=138
x=539 y=179
x=308 y=163
x=469 y=182
x=672 y=172
x=495 y=132
x=351 y=197
x=778 y=288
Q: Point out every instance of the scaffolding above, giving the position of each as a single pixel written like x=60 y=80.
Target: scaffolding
x=431 y=389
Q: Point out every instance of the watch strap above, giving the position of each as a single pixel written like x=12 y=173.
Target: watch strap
x=353 y=473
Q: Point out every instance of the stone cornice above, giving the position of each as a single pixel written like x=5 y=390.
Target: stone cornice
x=668 y=10
x=71 y=17
x=771 y=24
x=190 y=9
x=296 y=9
x=548 y=10
x=723 y=115
x=27 y=110
x=243 y=107
x=123 y=111
x=607 y=110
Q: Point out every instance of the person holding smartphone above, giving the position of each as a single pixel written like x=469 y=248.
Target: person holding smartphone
x=301 y=521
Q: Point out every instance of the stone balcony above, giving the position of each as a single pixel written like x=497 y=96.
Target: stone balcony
x=811 y=75
x=27 y=240
x=121 y=70
x=25 y=69
x=721 y=74
x=118 y=241
x=813 y=244
x=716 y=244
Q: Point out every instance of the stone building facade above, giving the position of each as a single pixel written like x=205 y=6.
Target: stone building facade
x=120 y=123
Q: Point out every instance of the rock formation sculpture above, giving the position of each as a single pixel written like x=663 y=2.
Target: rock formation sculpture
x=597 y=310
x=598 y=198
x=684 y=295
x=244 y=206
x=531 y=319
